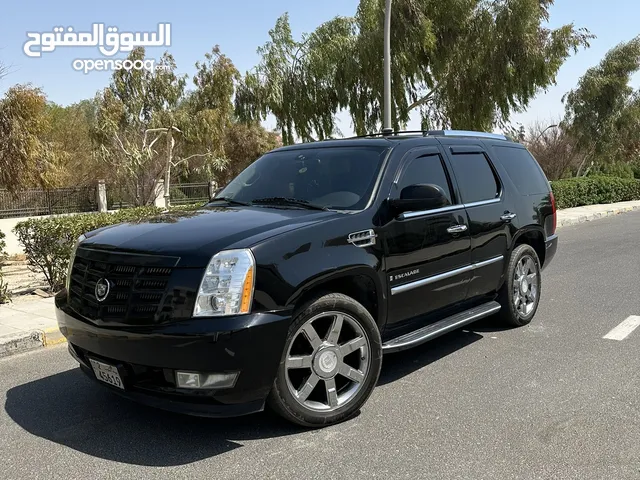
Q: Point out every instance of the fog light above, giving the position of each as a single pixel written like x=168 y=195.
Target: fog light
x=199 y=380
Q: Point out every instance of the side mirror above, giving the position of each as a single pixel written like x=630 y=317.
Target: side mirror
x=420 y=197
x=216 y=192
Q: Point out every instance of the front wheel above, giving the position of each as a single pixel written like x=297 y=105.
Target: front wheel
x=330 y=364
x=520 y=293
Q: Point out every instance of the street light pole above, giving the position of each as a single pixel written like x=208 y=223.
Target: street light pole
x=543 y=132
x=386 y=129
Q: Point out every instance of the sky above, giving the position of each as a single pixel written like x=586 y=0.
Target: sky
x=242 y=26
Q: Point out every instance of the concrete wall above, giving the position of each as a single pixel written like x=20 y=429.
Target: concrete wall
x=6 y=227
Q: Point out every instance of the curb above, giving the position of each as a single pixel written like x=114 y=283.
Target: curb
x=595 y=216
x=27 y=341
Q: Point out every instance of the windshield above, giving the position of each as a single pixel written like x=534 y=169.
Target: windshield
x=339 y=178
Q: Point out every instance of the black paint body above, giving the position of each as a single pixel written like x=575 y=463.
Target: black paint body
x=299 y=252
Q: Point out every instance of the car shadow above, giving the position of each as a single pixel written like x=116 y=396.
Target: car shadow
x=398 y=365
x=71 y=410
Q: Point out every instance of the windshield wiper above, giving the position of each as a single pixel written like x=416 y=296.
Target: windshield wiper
x=230 y=201
x=288 y=201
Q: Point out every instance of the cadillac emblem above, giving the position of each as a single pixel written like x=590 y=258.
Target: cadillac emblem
x=102 y=289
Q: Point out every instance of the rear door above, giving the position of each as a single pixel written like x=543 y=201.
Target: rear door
x=489 y=214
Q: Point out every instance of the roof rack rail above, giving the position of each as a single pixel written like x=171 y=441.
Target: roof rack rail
x=447 y=133
x=468 y=133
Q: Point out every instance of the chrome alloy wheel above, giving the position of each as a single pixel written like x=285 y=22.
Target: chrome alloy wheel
x=525 y=285
x=327 y=361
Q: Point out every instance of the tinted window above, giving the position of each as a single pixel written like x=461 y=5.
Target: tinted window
x=334 y=177
x=475 y=177
x=425 y=169
x=523 y=170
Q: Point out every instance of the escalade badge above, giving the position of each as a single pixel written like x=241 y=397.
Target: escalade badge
x=102 y=289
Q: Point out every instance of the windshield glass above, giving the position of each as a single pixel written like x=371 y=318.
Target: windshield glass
x=339 y=178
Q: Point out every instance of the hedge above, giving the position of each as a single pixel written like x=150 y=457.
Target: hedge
x=4 y=288
x=47 y=242
x=575 y=192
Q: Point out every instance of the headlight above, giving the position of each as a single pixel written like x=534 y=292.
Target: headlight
x=72 y=257
x=227 y=285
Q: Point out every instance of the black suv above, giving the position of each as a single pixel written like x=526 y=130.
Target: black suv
x=287 y=287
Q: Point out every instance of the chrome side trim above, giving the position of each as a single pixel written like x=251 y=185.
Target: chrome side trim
x=491 y=261
x=443 y=276
x=450 y=208
x=426 y=281
x=483 y=202
x=551 y=238
x=420 y=213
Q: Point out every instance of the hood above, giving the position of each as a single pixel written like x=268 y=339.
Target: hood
x=195 y=236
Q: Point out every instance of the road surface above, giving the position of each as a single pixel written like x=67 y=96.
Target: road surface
x=554 y=400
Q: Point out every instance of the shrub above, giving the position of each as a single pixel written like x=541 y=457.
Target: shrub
x=4 y=288
x=613 y=169
x=48 y=242
x=575 y=192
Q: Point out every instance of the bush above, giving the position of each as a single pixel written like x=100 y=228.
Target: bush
x=48 y=242
x=613 y=169
x=4 y=288
x=575 y=192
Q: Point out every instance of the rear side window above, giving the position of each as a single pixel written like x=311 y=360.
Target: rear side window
x=475 y=177
x=523 y=170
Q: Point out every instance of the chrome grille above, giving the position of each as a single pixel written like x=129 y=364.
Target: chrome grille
x=136 y=290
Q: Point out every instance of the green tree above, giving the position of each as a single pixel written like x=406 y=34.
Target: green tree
x=295 y=80
x=134 y=112
x=603 y=111
x=465 y=64
x=203 y=118
x=24 y=155
x=69 y=135
x=207 y=114
x=243 y=144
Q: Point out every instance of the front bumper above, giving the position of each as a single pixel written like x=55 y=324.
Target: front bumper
x=147 y=358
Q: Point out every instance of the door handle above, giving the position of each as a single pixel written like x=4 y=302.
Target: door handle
x=457 y=229
x=508 y=216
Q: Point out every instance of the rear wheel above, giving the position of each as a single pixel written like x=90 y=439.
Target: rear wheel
x=330 y=364
x=520 y=293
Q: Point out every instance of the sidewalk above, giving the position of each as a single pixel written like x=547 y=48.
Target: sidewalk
x=29 y=322
x=574 y=216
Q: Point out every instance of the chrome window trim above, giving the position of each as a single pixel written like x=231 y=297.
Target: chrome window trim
x=420 y=213
x=484 y=202
x=450 y=208
x=443 y=276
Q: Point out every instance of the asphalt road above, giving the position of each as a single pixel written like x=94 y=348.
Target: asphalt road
x=554 y=400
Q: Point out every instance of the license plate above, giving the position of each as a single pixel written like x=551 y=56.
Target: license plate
x=107 y=373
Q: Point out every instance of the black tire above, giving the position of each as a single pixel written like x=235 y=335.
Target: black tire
x=281 y=398
x=509 y=314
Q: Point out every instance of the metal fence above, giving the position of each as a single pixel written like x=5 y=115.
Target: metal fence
x=119 y=197
x=186 y=193
x=33 y=202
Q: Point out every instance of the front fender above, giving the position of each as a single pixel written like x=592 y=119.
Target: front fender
x=291 y=267
x=322 y=281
